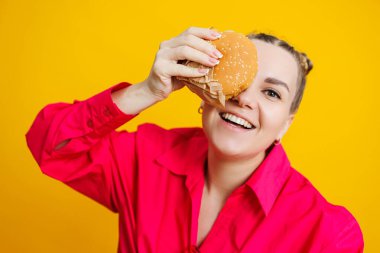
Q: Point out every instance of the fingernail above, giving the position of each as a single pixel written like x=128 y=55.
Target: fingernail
x=217 y=54
x=213 y=60
x=203 y=71
x=216 y=34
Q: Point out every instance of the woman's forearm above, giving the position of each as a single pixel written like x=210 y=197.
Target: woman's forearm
x=135 y=98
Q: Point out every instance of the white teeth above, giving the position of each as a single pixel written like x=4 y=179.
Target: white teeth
x=236 y=120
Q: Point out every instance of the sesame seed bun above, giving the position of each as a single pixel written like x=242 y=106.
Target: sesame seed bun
x=235 y=72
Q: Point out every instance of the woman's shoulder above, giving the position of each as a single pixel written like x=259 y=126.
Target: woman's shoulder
x=335 y=220
x=154 y=139
x=161 y=138
x=152 y=129
x=301 y=188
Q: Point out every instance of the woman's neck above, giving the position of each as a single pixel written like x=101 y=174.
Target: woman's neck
x=224 y=175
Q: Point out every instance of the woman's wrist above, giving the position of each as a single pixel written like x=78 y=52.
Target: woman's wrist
x=135 y=98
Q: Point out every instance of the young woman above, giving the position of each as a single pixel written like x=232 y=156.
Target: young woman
x=226 y=187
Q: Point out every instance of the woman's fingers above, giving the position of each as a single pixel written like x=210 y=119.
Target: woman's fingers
x=163 y=70
x=204 y=33
x=182 y=70
x=189 y=53
x=195 y=37
x=194 y=42
x=190 y=45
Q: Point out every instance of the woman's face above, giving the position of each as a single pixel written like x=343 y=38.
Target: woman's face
x=264 y=105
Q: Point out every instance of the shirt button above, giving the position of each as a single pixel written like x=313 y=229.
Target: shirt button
x=90 y=123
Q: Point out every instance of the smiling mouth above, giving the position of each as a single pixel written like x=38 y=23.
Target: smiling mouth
x=235 y=120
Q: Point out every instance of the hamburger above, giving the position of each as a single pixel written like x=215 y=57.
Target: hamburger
x=234 y=73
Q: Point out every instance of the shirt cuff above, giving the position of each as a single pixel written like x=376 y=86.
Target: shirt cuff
x=105 y=115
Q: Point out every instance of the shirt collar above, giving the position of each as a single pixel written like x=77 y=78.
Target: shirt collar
x=269 y=178
x=187 y=158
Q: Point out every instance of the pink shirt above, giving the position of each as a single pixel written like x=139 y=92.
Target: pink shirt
x=154 y=179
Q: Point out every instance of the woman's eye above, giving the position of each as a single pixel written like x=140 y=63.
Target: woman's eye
x=272 y=93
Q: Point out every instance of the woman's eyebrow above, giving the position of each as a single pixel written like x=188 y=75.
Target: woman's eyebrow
x=276 y=81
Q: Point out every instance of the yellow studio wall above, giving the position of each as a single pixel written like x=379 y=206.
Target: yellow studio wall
x=58 y=51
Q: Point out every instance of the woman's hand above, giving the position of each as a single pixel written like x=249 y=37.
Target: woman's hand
x=189 y=45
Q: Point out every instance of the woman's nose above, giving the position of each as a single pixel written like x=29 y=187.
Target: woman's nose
x=245 y=100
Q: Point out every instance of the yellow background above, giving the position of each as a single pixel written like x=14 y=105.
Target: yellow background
x=53 y=51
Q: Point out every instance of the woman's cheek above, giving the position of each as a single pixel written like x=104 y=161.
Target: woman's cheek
x=271 y=118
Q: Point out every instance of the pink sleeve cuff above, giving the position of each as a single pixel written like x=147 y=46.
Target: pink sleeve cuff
x=104 y=115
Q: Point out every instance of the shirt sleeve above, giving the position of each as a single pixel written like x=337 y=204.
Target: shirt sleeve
x=349 y=240
x=88 y=161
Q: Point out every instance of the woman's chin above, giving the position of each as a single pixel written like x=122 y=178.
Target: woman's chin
x=227 y=148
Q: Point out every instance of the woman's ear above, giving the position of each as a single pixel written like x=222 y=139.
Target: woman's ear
x=286 y=126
